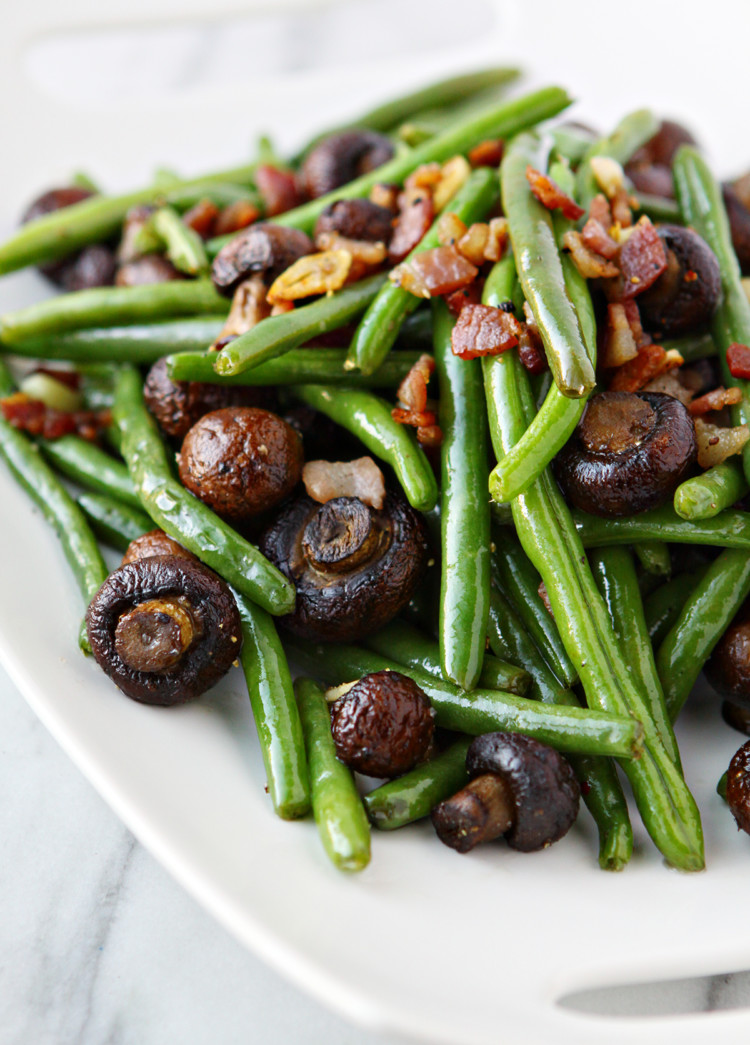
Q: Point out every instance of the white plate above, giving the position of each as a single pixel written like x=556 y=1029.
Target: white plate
x=450 y=949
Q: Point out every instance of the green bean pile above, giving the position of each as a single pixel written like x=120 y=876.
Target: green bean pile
x=536 y=617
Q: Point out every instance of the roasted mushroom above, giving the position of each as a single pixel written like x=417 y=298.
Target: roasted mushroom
x=155 y=542
x=685 y=296
x=383 y=726
x=342 y=157
x=240 y=461
x=628 y=453
x=93 y=265
x=357 y=220
x=650 y=168
x=164 y=629
x=736 y=716
x=178 y=405
x=151 y=268
x=354 y=567
x=519 y=788
x=738 y=787
x=262 y=248
x=728 y=667
x=739 y=224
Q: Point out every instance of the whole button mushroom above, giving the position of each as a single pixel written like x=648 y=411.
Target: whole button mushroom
x=356 y=219
x=240 y=461
x=155 y=542
x=738 y=787
x=685 y=296
x=728 y=667
x=262 y=248
x=93 y=265
x=519 y=788
x=354 y=567
x=164 y=629
x=650 y=168
x=383 y=726
x=342 y=157
x=739 y=224
x=628 y=453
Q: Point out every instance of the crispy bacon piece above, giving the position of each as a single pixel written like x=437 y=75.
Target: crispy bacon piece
x=236 y=216
x=651 y=361
x=454 y=174
x=36 y=418
x=425 y=177
x=601 y=211
x=430 y=437
x=417 y=418
x=551 y=196
x=202 y=217
x=278 y=189
x=321 y=273
x=385 y=195
x=473 y=243
x=450 y=229
x=482 y=330
x=642 y=259
x=412 y=392
x=325 y=480
x=596 y=237
x=249 y=307
x=468 y=295
x=531 y=351
x=497 y=239
x=634 y=320
x=488 y=153
x=738 y=360
x=434 y=272
x=621 y=212
x=589 y=264
x=416 y=211
x=716 y=399
x=716 y=444
x=619 y=344
x=366 y=255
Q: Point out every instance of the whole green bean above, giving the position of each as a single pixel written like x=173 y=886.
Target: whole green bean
x=277 y=718
x=337 y=807
x=663 y=606
x=183 y=516
x=540 y=270
x=707 y=494
x=380 y=325
x=633 y=131
x=298 y=366
x=700 y=199
x=369 y=418
x=409 y=646
x=88 y=465
x=480 y=710
x=184 y=247
x=703 y=620
x=731 y=529
x=414 y=795
x=113 y=521
x=654 y=557
x=278 y=334
x=103 y=306
x=464 y=509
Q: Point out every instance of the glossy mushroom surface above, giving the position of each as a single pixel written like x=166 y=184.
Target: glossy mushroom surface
x=93 y=265
x=650 y=168
x=155 y=542
x=685 y=296
x=383 y=726
x=164 y=629
x=141 y=272
x=628 y=453
x=262 y=248
x=739 y=224
x=354 y=567
x=356 y=219
x=728 y=667
x=738 y=787
x=342 y=157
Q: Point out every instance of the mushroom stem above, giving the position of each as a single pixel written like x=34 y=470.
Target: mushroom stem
x=154 y=635
x=480 y=812
x=340 y=536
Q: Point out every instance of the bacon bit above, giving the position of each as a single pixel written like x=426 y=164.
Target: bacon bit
x=619 y=344
x=651 y=361
x=202 y=217
x=621 y=211
x=690 y=276
x=321 y=273
x=596 y=237
x=488 y=153
x=670 y=384
x=716 y=444
x=601 y=211
x=497 y=239
x=249 y=307
x=482 y=330
x=325 y=480
x=589 y=264
x=551 y=196
x=434 y=272
x=416 y=211
x=425 y=177
x=278 y=189
x=469 y=295
x=412 y=392
x=36 y=418
x=716 y=399
x=236 y=216
x=455 y=173
x=634 y=321
x=473 y=243
x=544 y=596
x=430 y=437
x=366 y=255
x=738 y=360
x=609 y=175
x=385 y=196
x=642 y=259
x=70 y=378
x=282 y=307
x=417 y=418
x=450 y=229
x=531 y=350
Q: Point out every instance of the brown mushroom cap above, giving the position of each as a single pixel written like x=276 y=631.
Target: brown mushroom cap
x=155 y=542
x=685 y=296
x=738 y=787
x=739 y=224
x=728 y=667
x=93 y=265
x=151 y=268
x=356 y=219
x=354 y=568
x=736 y=716
x=650 y=168
x=383 y=726
x=164 y=629
x=628 y=453
x=262 y=248
x=178 y=405
x=342 y=157
x=240 y=461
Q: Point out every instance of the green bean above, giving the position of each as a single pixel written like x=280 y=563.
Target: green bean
x=663 y=606
x=414 y=795
x=103 y=306
x=181 y=515
x=633 y=131
x=654 y=557
x=93 y=220
x=707 y=494
x=379 y=327
x=34 y=475
x=571 y=142
x=464 y=510
x=731 y=529
x=277 y=718
x=658 y=208
x=550 y=540
x=615 y=576
x=700 y=199
x=89 y=466
x=693 y=347
x=480 y=710
x=498 y=121
x=369 y=418
x=114 y=522
x=141 y=343
x=429 y=121
x=184 y=247
x=413 y=648
x=540 y=271
x=721 y=787
x=423 y=609
x=703 y=620
x=339 y=813
x=298 y=366
x=278 y=334
x=559 y=414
